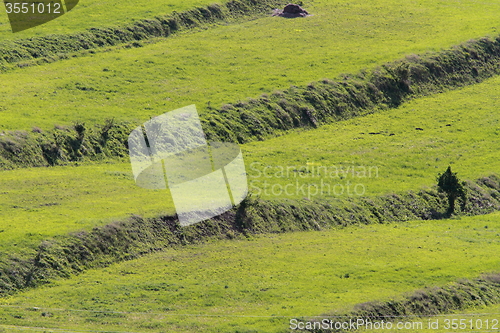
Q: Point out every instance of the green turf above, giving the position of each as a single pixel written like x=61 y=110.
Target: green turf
x=42 y=202
x=185 y=290
x=227 y=63
x=459 y=128
x=98 y=13
x=261 y=283
x=39 y=203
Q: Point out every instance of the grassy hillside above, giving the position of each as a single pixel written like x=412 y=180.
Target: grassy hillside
x=393 y=150
x=325 y=101
x=48 y=201
x=97 y=13
x=233 y=62
x=38 y=203
x=253 y=283
x=54 y=47
x=259 y=284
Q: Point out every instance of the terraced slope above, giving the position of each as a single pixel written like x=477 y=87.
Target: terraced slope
x=43 y=202
x=228 y=63
x=95 y=13
x=394 y=150
x=43 y=213
x=259 y=284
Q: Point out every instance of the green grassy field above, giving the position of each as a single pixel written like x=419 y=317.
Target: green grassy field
x=256 y=284
x=459 y=128
x=39 y=203
x=97 y=13
x=42 y=202
x=228 y=63
x=259 y=284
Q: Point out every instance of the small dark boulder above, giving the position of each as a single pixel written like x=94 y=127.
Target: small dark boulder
x=294 y=9
x=291 y=11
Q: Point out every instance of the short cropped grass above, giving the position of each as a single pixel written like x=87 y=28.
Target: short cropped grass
x=98 y=13
x=259 y=284
x=395 y=150
x=232 y=62
x=41 y=202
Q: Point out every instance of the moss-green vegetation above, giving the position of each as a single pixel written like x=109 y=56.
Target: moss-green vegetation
x=412 y=309
x=309 y=106
x=469 y=143
x=55 y=47
x=57 y=221
x=64 y=145
x=262 y=282
x=38 y=204
x=41 y=203
x=48 y=201
x=98 y=13
x=233 y=62
x=385 y=150
x=66 y=255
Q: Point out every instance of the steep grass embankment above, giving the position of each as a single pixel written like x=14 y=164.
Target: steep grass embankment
x=270 y=115
x=228 y=62
x=53 y=47
x=66 y=255
x=385 y=87
x=260 y=283
x=98 y=13
x=459 y=296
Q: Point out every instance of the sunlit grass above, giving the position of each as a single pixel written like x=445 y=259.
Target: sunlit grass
x=261 y=283
x=231 y=62
x=395 y=150
x=48 y=201
x=97 y=13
